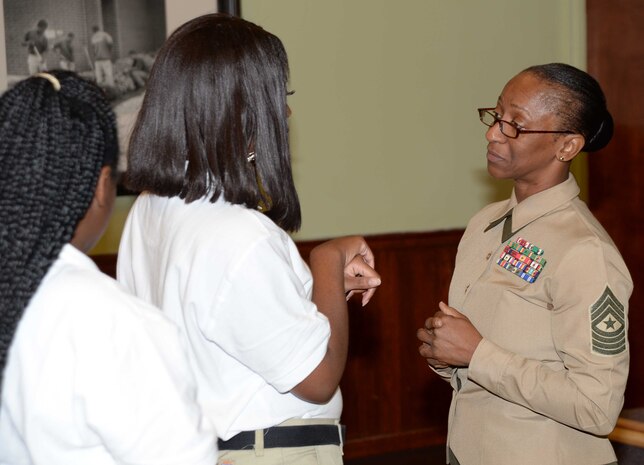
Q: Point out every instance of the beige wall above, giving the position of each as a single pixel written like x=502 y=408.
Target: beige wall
x=385 y=136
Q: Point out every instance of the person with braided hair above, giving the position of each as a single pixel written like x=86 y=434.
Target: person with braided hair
x=207 y=243
x=90 y=374
x=534 y=339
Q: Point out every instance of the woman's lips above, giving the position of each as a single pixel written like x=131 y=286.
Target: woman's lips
x=493 y=157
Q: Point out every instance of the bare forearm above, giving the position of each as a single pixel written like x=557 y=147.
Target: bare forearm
x=327 y=266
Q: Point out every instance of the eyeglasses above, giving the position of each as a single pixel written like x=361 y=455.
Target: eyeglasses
x=489 y=117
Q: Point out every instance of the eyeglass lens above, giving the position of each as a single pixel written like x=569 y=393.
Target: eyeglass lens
x=489 y=119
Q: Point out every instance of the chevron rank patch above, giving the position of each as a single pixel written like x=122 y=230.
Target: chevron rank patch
x=607 y=324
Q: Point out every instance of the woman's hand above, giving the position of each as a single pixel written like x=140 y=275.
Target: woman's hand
x=360 y=276
x=449 y=338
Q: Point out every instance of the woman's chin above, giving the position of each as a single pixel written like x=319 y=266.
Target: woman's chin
x=495 y=171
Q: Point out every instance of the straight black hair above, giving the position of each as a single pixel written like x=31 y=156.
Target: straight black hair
x=56 y=133
x=215 y=99
x=581 y=103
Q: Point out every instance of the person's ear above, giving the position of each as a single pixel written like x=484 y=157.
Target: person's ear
x=91 y=227
x=570 y=147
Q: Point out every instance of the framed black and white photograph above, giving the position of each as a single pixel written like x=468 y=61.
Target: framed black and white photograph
x=111 y=42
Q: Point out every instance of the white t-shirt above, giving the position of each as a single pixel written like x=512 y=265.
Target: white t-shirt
x=96 y=376
x=236 y=285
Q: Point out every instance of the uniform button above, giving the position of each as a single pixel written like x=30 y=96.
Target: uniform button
x=488 y=256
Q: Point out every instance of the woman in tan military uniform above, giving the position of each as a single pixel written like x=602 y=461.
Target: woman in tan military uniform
x=534 y=340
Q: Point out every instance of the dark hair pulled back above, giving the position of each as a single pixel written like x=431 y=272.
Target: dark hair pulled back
x=53 y=144
x=582 y=104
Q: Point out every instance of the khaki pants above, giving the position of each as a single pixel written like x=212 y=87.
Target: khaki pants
x=311 y=455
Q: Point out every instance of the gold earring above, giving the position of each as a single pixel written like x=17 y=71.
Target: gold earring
x=562 y=158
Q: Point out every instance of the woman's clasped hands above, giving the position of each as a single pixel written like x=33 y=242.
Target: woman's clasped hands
x=448 y=338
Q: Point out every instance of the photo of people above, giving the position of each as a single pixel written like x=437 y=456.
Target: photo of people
x=112 y=43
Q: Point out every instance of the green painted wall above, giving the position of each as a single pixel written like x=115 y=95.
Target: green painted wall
x=384 y=129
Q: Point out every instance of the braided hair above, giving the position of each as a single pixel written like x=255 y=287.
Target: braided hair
x=56 y=133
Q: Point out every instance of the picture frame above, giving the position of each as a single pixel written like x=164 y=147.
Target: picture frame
x=231 y=7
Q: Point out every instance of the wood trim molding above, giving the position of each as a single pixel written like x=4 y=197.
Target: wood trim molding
x=616 y=192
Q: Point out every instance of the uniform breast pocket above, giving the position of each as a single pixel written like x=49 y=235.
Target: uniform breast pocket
x=523 y=325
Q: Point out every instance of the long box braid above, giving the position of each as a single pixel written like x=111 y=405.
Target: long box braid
x=54 y=140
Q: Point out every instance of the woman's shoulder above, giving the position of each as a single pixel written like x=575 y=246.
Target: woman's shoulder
x=231 y=230
x=74 y=287
x=581 y=240
x=202 y=220
x=576 y=225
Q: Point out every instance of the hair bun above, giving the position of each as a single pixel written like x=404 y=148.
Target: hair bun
x=602 y=136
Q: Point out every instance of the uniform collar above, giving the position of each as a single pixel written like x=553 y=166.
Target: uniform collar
x=535 y=206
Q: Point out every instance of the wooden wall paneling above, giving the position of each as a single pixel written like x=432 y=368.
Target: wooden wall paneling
x=393 y=401
x=616 y=190
x=106 y=263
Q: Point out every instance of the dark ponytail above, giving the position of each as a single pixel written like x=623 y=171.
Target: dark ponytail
x=601 y=136
x=581 y=105
x=54 y=140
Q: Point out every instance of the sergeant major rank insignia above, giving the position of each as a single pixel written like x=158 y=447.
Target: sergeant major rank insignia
x=607 y=324
x=523 y=259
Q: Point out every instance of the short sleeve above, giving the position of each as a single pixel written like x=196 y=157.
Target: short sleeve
x=264 y=318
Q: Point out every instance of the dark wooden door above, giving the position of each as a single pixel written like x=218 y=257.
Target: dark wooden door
x=616 y=193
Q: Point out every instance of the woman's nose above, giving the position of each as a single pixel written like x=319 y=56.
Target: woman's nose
x=494 y=134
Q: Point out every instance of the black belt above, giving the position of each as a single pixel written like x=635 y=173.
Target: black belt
x=287 y=436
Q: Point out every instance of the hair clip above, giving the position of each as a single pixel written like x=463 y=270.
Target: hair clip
x=51 y=78
x=265 y=202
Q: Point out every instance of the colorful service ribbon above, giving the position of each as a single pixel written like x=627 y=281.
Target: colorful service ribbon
x=523 y=259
